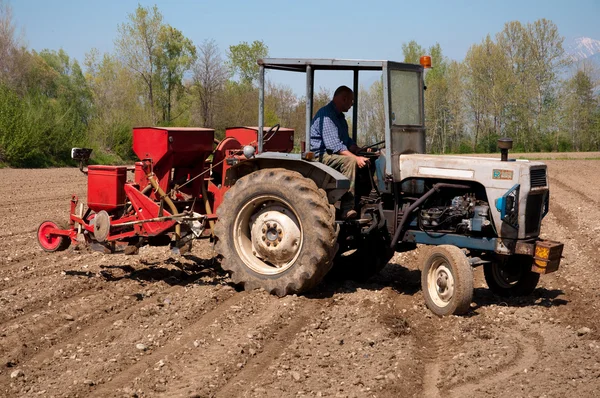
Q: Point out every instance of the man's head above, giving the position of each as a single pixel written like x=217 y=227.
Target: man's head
x=343 y=98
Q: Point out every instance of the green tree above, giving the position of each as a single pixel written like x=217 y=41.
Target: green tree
x=579 y=111
x=209 y=74
x=175 y=57
x=412 y=52
x=243 y=57
x=138 y=46
x=116 y=108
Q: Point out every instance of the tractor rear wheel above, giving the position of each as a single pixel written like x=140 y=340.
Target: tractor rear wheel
x=446 y=280
x=275 y=232
x=49 y=242
x=511 y=276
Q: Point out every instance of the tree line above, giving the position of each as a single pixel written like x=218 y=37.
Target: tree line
x=513 y=85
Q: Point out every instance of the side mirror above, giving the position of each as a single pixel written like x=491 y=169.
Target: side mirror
x=82 y=155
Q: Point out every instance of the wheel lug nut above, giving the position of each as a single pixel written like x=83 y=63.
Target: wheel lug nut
x=268 y=243
x=264 y=238
x=279 y=230
x=264 y=230
x=275 y=244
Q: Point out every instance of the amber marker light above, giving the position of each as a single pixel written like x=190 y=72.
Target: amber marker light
x=425 y=61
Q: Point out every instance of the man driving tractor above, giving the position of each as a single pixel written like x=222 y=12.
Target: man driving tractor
x=331 y=143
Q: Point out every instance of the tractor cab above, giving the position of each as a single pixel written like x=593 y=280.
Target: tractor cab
x=403 y=91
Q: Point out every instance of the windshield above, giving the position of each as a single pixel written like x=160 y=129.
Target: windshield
x=405 y=98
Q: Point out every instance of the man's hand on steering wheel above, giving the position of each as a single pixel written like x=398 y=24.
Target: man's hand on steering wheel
x=361 y=161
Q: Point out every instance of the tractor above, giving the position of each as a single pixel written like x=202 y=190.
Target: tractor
x=274 y=215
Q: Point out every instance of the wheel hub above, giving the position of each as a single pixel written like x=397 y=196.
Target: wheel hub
x=441 y=284
x=275 y=234
x=442 y=281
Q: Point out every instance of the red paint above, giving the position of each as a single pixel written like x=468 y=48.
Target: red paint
x=146 y=209
x=282 y=141
x=105 y=187
x=47 y=237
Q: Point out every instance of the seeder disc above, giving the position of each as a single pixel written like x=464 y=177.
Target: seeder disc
x=101 y=226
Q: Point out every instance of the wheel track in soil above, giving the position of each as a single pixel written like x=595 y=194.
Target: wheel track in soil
x=101 y=326
x=29 y=343
x=74 y=287
x=580 y=302
x=189 y=334
x=281 y=339
x=525 y=358
x=429 y=343
x=17 y=234
x=71 y=289
x=573 y=190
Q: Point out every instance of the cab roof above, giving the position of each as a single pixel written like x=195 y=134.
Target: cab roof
x=301 y=64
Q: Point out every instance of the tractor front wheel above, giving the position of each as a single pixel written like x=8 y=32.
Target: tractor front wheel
x=511 y=276
x=275 y=232
x=446 y=280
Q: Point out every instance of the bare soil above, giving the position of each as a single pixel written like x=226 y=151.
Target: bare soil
x=84 y=324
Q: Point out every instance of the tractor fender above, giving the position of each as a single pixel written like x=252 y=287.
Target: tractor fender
x=332 y=181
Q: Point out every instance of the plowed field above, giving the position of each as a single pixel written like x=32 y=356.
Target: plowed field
x=84 y=324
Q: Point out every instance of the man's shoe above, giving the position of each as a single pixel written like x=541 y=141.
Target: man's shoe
x=350 y=215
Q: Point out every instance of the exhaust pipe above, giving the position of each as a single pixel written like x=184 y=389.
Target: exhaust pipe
x=504 y=144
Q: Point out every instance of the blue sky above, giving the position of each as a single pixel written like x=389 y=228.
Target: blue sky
x=317 y=29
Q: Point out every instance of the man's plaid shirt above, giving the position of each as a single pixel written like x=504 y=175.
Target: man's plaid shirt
x=329 y=131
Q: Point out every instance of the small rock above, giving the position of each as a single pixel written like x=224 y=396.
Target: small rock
x=89 y=382
x=141 y=347
x=296 y=376
x=17 y=373
x=68 y=317
x=379 y=377
x=130 y=392
x=196 y=343
x=583 y=331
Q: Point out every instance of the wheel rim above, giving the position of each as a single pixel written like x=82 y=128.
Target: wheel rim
x=506 y=277
x=48 y=241
x=440 y=282
x=267 y=235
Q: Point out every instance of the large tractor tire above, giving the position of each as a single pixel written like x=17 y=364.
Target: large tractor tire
x=446 y=280
x=373 y=252
x=276 y=231
x=511 y=276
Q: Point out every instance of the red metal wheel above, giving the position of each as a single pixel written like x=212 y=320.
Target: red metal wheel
x=49 y=242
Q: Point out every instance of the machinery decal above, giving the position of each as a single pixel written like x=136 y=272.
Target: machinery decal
x=499 y=174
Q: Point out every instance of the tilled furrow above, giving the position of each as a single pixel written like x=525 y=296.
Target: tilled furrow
x=193 y=332
x=87 y=347
x=277 y=338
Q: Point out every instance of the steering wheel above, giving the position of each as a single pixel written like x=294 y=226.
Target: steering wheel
x=372 y=145
x=273 y=130
x=372 y=154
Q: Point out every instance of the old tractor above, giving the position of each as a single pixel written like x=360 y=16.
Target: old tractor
x=274 y=214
